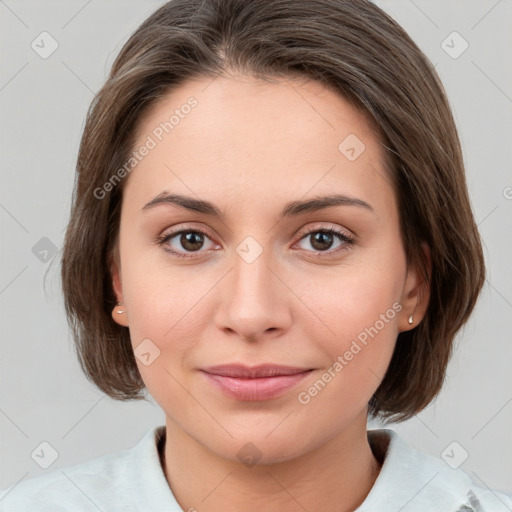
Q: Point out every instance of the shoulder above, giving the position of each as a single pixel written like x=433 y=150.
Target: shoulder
x=79 y=487
x=411 y=480
x=93 y=485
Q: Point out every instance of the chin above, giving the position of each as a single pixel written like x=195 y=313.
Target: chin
x=251 y=445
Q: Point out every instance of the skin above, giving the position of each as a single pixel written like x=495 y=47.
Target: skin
x=249 y=147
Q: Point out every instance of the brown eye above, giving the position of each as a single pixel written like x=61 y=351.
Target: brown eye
x=322 y=240
x=185 y=242
x=191 y=240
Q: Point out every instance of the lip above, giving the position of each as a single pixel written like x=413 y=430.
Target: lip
x=255 y=383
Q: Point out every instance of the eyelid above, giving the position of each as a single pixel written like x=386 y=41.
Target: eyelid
x=345 y=235
x=322 y=226
x=188 y=227
x=318 y=226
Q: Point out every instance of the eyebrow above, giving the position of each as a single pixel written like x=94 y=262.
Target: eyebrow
x=290 y=209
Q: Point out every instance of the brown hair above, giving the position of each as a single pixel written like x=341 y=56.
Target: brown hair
x=350 y=46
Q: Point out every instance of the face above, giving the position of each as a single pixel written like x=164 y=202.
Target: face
x=261 y=275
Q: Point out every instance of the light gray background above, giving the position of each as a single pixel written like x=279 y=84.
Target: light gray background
x=43 y=394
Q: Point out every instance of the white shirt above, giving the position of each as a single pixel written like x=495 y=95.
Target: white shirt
x=133 y=480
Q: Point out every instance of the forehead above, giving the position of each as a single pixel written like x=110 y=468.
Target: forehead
x=234 y=136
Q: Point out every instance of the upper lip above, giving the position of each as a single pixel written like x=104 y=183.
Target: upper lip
x=253 y=372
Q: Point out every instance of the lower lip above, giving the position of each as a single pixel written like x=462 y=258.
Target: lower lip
x=253 y=390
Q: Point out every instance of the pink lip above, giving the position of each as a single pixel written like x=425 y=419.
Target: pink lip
x=254 y=383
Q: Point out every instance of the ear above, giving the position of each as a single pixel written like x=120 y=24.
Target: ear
x=117 y=286
x=416 y=294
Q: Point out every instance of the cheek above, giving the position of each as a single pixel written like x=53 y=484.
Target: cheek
x=359 y=306
x=355 y=297
x=168 y=311
x=364 y=333
x=164 y=321
x=357 y=354
x=167 y=317
x=162 y=297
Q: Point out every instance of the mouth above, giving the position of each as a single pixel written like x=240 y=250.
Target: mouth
x=258 y=383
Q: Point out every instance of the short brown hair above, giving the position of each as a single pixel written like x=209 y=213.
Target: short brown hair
x=350 y=46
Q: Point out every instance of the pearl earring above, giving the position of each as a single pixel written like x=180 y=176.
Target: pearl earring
x=410 y=320
x=120 y=311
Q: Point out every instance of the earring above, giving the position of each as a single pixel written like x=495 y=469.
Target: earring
x=120 y=311
x=410 y=320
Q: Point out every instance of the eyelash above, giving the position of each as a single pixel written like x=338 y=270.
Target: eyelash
x=344 y=237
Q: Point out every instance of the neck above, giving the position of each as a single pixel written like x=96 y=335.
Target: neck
x=338 y=475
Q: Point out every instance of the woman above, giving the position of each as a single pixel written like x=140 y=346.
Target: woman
x=271 y=234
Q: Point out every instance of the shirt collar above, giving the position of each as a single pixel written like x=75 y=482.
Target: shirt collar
x=413 y=481
x=409 y=480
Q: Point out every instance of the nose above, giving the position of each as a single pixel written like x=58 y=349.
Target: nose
x=255 y=302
